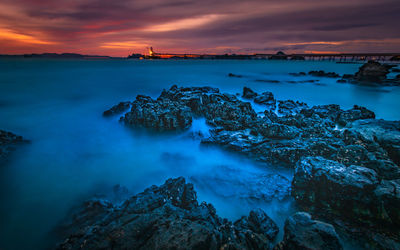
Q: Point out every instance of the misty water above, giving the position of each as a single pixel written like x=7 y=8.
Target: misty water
x=75 y=153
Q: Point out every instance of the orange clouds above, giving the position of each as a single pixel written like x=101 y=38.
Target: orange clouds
x=12 y=35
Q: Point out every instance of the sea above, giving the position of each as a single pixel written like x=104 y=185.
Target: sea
x=76 y=154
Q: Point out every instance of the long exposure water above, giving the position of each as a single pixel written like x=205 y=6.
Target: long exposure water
x=75 y=153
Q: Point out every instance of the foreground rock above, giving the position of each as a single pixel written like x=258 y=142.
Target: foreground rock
x=301 y=232
x=355 y=194
x=346 y=161
x=8 y=143
x=165 y=217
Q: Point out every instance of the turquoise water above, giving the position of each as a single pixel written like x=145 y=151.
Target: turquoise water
x=75 y=153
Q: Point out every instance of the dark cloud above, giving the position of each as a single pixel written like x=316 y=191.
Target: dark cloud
x=235 y=25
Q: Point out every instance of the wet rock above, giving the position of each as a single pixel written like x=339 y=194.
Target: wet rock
x=289 y=107
x=8 y=143
x=259 y=222
x=385 y=133
x=356 y=113
x=321 y=73
x=302 y=232
x=248 y=93
x=160 y=114
x=164 y=217
x=328 y=186
x=117 y=109
x=266 y=98
x=372 y=72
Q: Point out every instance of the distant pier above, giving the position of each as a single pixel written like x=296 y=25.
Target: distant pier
x=338 y=57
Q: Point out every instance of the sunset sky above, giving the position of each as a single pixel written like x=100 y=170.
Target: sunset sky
x=121 y=27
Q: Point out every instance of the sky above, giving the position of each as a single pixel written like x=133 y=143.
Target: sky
x=122 y=27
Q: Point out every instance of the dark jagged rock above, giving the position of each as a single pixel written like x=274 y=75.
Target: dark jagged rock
x=355 y=193
x=289 y=107
x=372 y=72
x=267 y=99
x=8 y=143
x=117 y=109
x=248 y=93
x=360 y=155
x=321 y=73
x=302 y=232
x=160 y=114
x=164 y=217
x=356 y=113
x=258 y=222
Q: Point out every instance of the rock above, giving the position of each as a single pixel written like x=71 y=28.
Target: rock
x=302 y=232
x=356 y=113
x=8 y=143
x=372 y=72
x=322 y=73
x=234 y=75
x=267 y=99
x=258 y=222
x=385 y=133
x=161 y=114
x=164 y=217
x=341 y=81
x=248 y=93
x=117 y=109
x=289 y=107
x=347 y=192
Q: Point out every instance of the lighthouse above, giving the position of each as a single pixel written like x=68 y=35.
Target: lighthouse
x=151 y=52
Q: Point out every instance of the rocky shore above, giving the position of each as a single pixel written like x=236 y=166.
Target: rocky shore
x=170 y=217
x=346 y=162
x=8 y=143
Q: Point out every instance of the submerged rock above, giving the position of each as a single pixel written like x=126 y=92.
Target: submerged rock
x=302 y=232
x=8 y=143
x=165 y=217
x=321 y=73
x=117 y=109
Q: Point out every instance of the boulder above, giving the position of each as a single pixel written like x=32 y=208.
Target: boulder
x=248 y=93
x=302 y=232
x=372 y=72
x=356 y=113
x=164 y=217
x=160 y=115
